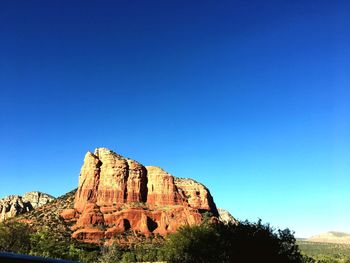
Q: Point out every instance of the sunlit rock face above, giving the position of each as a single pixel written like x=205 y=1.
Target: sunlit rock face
x=225 y=217
x=109 y=179
x=162 y=190
x=196 y=194
x=117 y=194
x=13 y=205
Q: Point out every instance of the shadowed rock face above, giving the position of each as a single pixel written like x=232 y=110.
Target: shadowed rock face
x=13 y=205
x=117 y=194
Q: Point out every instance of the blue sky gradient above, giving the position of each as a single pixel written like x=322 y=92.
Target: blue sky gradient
x=250 y=98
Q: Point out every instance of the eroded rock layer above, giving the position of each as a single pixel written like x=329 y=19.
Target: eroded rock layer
x=117 y=194
x=14 y=205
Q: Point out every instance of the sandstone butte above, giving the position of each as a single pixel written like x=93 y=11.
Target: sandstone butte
x=117 y=194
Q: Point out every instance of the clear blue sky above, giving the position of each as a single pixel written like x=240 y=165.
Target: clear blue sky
x=250 y=98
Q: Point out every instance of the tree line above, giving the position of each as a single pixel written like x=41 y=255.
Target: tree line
x=205 y=243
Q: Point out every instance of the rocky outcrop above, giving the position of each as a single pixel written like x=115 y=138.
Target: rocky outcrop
x=37 y=199
x=109 y=179
x=117 y=194
x=196 y=194
x=14 y=205
x=225 y=217
x=48 y=215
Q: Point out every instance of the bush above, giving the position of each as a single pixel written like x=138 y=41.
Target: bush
x=14 y=237
x=44 y=243
x=147 y=252
x=244 y=242
x=110 y=254
x=205 y=243
x=253 y=242
x=193 y=244
x=128 y=257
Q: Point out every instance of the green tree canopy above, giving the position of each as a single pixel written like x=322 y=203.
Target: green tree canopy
x=14 y=237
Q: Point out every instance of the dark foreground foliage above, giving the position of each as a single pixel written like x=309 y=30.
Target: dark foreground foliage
x=244 y=242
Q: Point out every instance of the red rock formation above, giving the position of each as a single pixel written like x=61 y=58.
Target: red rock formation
x=117 y=194
x=197 y=195
x=88 y=182
x=161 y=188
x=68 y=214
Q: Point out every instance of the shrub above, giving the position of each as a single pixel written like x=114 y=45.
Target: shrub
x=110 y=254
x=14 y=237
x=244 y=242
x=193 y=244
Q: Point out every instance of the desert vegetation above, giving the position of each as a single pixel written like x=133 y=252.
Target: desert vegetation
x=326 y=252
x=208 y=242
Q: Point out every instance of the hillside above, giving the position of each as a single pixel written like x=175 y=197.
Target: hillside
x=331 y=237
x=14 y=205
x=49 y=215
x=325 y=252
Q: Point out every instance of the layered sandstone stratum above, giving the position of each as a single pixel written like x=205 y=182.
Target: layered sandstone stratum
x=14 y=205
x=117 y=194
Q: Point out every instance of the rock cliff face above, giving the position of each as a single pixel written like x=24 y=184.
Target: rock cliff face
x=225 y=217
x=117 y=194
x=13 y=205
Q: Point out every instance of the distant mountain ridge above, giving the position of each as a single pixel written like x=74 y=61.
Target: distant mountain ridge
x=14 y=205
x=331 y=237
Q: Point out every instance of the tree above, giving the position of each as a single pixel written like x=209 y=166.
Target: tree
x=244 y=242
x=128 y=257
x=148 y=251
x=46 y=243
x=193 y=244
x=14 y=237
x=110 y=254
x=257 y=242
